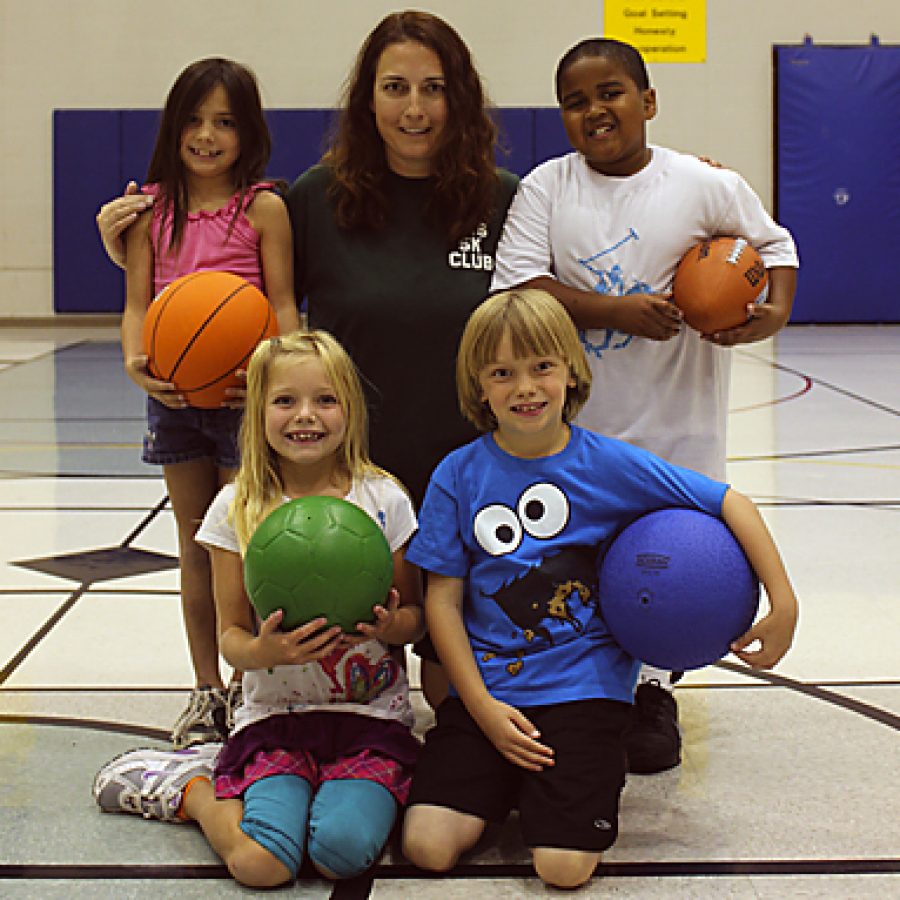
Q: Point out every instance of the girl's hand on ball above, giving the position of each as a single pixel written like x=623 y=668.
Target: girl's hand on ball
x=384 y=620
x=305 y=644
x=165 y=392
x=236 y=397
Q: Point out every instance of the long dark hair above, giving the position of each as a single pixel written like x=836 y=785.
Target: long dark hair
x=190 y=88
x=464 y=172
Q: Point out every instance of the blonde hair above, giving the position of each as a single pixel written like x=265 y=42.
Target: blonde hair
x=259 y=487
x=537 y=324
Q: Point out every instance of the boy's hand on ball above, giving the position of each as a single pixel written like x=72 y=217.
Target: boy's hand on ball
x=763 y=320
x=774 y=633
x=651 y=316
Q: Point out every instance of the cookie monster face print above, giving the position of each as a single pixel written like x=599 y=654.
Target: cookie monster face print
x=540 y=593
x=558 y=590
x=546 y=593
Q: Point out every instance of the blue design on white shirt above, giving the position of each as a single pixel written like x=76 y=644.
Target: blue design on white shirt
x=611 y=282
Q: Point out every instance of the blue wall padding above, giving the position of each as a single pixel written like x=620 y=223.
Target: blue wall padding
x=515 y=131
x=298 y=140
x=86 y=154
x=139 y=127
x=838 y=178
x=549 y=135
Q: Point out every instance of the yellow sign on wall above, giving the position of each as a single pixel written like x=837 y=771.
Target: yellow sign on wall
x=664 y=31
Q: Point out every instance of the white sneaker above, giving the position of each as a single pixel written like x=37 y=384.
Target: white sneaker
x=150 y=782
x=203 y=719
x=234 y=697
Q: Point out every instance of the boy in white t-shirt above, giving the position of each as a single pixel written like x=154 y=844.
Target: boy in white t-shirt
x=602 y=229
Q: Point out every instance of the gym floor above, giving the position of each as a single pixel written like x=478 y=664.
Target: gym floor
x=788 y=786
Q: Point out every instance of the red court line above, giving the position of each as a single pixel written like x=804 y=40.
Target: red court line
x=807 y=387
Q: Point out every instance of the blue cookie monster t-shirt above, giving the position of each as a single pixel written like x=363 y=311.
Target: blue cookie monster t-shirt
x=525 y=535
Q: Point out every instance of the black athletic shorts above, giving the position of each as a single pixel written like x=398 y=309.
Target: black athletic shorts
x=571 y=805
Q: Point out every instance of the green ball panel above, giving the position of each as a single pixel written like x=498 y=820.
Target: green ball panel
x=318 y=556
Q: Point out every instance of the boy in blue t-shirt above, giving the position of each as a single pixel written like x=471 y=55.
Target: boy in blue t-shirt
x=509 y=533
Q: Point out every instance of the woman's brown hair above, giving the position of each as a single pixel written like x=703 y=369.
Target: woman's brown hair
x=464 y=170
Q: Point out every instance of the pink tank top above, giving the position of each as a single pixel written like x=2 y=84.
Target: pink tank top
x=206 y=244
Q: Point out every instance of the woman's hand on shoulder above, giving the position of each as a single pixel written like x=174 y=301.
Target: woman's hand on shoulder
x=117 y=216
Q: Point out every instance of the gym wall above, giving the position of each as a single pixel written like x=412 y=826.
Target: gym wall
x=110 y=56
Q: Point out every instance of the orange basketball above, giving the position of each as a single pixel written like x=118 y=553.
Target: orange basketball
x=203 y=327
x=715 y=281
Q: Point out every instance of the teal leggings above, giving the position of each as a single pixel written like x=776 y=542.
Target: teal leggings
x=345 y=824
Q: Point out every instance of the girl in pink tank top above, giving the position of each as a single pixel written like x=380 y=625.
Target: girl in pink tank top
x=211 y=211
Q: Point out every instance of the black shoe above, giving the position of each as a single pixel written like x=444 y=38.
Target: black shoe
x=652 y=740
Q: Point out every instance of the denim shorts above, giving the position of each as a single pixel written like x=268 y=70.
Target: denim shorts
x=180 y=435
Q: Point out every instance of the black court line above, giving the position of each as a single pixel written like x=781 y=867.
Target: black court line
x=787 y=503
x=875 y=683
x=851 y=395
x=145 y=731
x=68 y=420
x=74 y=597
x=41 y=633
x=21 y=474
x=875 y=713
x=406 y=871
x=102 y=689
x=361 y=887
x=812 y=454
x=72 y=509
x=145 y=522
x=93 y=589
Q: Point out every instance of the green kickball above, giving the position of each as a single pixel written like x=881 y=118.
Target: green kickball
x=318 y=556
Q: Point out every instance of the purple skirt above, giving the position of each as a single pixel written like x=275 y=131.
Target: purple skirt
x=318 y=746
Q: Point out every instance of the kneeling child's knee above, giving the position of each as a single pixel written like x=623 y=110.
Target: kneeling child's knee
x=254 y=866
x=349 y=825
x=565 y=869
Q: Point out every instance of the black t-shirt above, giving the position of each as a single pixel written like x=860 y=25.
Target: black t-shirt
x=397 y=299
